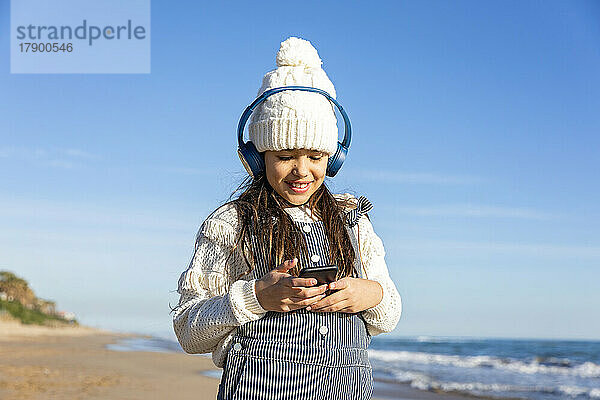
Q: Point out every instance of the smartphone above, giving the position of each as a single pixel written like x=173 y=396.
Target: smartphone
x=323 y=274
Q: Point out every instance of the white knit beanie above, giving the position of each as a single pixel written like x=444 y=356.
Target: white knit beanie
x=294 y=119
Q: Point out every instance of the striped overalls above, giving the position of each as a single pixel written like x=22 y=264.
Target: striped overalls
x=300 y=354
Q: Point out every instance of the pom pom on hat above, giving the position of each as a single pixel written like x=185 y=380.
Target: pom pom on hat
x=295 y=119
x=294 y=52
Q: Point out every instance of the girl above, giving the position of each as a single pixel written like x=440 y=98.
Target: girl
x=275 y=334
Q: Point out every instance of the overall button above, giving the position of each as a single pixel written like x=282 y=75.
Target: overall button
x=315 y=258
x=237 y=347
x=323 y=329
x=306 y=228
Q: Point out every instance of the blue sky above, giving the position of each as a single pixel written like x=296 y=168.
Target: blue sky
x=475 y=137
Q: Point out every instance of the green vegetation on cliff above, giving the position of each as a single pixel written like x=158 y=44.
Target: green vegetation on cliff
x=18 y=301
x=27 y=316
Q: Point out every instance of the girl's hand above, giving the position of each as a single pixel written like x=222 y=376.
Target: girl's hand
x=282 y=292
x=352 y=295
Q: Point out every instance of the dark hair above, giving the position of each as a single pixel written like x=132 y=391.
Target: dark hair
x=261 y=214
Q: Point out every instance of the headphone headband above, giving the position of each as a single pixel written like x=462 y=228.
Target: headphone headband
x=251 y=158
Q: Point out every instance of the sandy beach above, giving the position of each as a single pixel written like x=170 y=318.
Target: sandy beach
x=73 y=363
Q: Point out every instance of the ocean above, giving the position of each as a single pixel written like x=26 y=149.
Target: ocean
x=536 y=369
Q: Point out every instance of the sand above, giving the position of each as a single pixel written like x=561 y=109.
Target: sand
x=74 y=363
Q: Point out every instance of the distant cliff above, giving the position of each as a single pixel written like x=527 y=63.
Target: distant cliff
x=18 y=301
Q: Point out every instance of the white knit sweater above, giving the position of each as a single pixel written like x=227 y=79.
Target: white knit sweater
x=213 y=304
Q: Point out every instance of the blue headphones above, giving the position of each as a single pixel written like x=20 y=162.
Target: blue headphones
x=252 y=159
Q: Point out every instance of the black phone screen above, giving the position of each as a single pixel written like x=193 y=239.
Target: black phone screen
x=323 y=274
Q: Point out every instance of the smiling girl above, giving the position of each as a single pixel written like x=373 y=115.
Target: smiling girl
x=275 y=334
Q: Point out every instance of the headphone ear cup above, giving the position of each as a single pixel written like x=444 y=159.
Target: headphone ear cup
x=336 y=160
x=251 y=159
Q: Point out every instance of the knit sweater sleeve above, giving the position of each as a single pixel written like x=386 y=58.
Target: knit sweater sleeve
x=384 y=316
x=212 y=302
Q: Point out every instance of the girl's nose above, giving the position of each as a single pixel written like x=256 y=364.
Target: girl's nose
x=300 y=167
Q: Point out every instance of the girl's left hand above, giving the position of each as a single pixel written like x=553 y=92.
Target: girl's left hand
x=351 y=295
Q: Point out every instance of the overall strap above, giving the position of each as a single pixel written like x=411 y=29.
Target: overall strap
x=352 y=218
x=363 y=207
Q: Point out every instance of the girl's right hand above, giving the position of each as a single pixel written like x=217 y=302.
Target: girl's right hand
x=282 y=292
